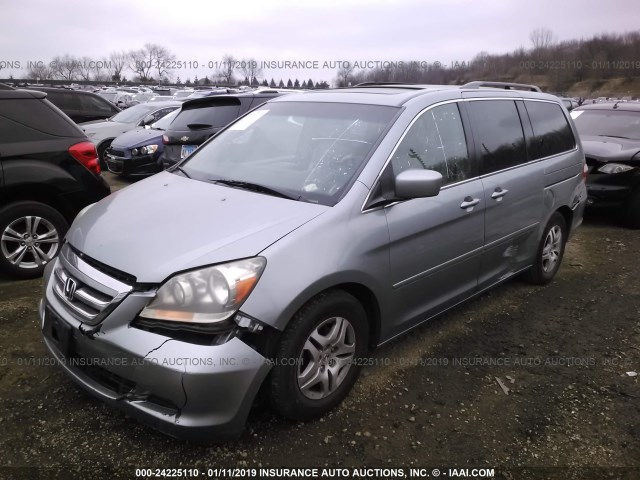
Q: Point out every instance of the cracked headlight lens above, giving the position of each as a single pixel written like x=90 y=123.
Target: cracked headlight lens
x=207 y=296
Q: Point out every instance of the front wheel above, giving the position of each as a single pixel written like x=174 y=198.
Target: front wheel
x=550 y=251
x=102 y=154
x=317 y=360
x=31 y=234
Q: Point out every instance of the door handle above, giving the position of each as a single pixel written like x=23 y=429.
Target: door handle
x=469 y=203
x=499 y=193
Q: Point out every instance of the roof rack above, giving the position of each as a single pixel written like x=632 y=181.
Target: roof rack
x=503 y=85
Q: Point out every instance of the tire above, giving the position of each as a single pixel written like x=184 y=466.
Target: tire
x=102 y=152
x=26 y=257
x=550 y=251
x=333 y=311
x=632 y=210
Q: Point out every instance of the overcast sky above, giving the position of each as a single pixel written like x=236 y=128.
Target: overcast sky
x=322 y=30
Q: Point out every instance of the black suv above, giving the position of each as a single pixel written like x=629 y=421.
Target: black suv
x=201 y=118
x=49 y=171
x=78 y=105
x=610 y=134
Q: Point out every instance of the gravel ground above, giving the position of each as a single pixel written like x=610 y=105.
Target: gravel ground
x=432 y=398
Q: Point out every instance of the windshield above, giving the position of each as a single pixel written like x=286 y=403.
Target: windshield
x=611 y=123
x=133 y=114
x=310 y=151
x=165 y=121
x=183 y=94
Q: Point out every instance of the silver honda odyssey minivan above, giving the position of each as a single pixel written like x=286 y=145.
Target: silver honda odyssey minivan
x=306 y=233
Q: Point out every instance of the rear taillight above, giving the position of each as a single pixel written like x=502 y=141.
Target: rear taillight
x=585 y=172
x=165 y=139
x=86 y=154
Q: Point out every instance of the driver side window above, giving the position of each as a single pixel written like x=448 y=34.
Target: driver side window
x=435 y=141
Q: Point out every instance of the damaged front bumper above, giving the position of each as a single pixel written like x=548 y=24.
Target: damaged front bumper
x=183 y=389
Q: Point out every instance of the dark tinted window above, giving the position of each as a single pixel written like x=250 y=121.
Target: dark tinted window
x=64 y=100
x=498 y=134
x=14 y=132
x=39 y=115
x=435 y=141
x=90 y=103
x=206 y=117
x=552 y=133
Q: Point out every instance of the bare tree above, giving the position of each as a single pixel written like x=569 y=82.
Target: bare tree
x=65 y=67
x=101 y=70
x=141 y=63
x=226 y=71
x=40 y=71
x=249 y=68
x=542 y=38
x=85 y=67
x=344 y=74
x=116 y=64
x=162 y=59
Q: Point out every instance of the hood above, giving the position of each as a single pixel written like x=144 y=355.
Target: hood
x=138 y=137
x=610 y=149
x=98 y=131
x=168 y=223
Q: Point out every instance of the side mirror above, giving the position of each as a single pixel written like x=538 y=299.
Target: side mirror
x=148 y=120
x=418 y=183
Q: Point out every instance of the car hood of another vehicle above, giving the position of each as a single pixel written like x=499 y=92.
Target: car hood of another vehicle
x=168 y=223
x=610 y=149
x=105 y=129
x=137 y=137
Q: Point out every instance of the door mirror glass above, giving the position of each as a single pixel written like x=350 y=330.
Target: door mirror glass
x=418 y=183
x=148 y=120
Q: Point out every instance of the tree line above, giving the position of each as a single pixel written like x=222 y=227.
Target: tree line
x=552 y=64
x=547 y=62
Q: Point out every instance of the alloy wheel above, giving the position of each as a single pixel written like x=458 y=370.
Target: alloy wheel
x=29 y=242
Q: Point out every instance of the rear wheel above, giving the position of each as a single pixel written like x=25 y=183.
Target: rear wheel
x=550 y=251
x=317 y=360
x=31 y=234
x=632 y=214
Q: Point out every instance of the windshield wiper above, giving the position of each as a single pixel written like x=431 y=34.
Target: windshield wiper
x=254 y=187
x=180 y=169
x=614 y=136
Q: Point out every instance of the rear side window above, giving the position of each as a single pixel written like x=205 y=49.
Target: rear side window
x=90 y=103
x=14 y=132
x=63 y=100
x=435 y=141
x=498 y=134
x=39 y=115
x=551 y=130
x=206 y=117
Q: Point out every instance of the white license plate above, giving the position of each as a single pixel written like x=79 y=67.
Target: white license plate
x=187 y=150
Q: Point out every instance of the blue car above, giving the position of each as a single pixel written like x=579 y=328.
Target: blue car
x=136 y=153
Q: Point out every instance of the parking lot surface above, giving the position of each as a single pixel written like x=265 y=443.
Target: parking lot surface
x=522 y=379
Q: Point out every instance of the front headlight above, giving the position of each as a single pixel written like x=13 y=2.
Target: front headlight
x=614 y=168
x=148 y=149
x=207 y=296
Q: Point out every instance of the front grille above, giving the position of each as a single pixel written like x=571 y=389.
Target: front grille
x=116 y=153
x=80 y=299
